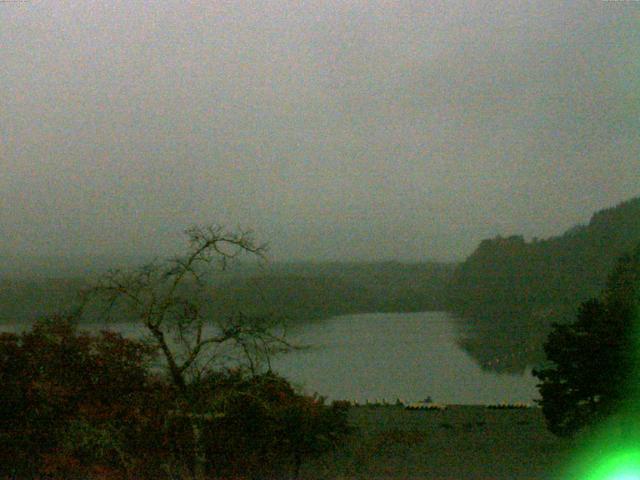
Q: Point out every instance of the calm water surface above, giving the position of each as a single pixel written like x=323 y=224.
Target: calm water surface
x=387 y=356
x=398 y=355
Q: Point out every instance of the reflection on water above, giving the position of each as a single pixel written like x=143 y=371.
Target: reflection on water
x=386 y=356
x=505 y=341
x=405 y=355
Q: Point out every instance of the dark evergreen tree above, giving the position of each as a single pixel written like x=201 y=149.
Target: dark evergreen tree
x=593 y=362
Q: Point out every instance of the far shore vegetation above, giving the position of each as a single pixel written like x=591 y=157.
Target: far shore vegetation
x=300 y=292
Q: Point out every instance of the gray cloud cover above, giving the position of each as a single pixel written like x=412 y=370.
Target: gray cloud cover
x=350 y=130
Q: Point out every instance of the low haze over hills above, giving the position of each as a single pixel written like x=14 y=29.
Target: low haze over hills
x=505 y=295
x=507 y=291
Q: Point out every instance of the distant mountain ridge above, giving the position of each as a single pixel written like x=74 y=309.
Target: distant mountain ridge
x=508 y=291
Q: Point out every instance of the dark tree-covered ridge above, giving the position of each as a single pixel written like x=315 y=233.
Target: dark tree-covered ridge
x=509 y=291
x=299 y=291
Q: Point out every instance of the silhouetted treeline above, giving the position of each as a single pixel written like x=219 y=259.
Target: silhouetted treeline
x=509 y=291
x=302 y=291
x=308 y=291
x=24 y=300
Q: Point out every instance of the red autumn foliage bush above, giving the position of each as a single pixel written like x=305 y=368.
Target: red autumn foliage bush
x=72 y=403
x=80 y=406
x=264 y=428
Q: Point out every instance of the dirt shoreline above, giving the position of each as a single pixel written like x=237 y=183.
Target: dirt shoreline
x=465 y=442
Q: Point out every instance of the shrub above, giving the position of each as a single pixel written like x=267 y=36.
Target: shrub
x=74 y=402
x=80 y=406
x=265 y=428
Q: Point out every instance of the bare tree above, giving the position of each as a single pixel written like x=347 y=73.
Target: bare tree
x=168 y=299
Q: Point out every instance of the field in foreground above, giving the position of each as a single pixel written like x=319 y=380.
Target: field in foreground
x=462 y=442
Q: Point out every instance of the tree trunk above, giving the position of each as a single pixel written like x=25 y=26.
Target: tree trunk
x=176 y=373
x=297 y=465
x=199 y=453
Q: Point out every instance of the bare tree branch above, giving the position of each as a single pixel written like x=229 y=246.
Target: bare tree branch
x=164 y=298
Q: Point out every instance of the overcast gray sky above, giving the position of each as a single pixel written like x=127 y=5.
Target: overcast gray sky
x=335 y=130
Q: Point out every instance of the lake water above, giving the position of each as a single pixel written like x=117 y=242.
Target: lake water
x=387 y=356
x=396 y=355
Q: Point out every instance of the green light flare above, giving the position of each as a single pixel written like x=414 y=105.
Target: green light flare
x=620 y=466
x=610 y=452
x=625 y=476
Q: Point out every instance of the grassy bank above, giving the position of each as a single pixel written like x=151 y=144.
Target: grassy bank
x=461 y=442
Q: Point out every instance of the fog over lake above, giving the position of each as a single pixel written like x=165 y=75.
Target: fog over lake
x=380 y=356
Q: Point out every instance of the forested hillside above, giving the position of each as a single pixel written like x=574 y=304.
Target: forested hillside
x=300 y=292
x=509 y=291
x=313 y=291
